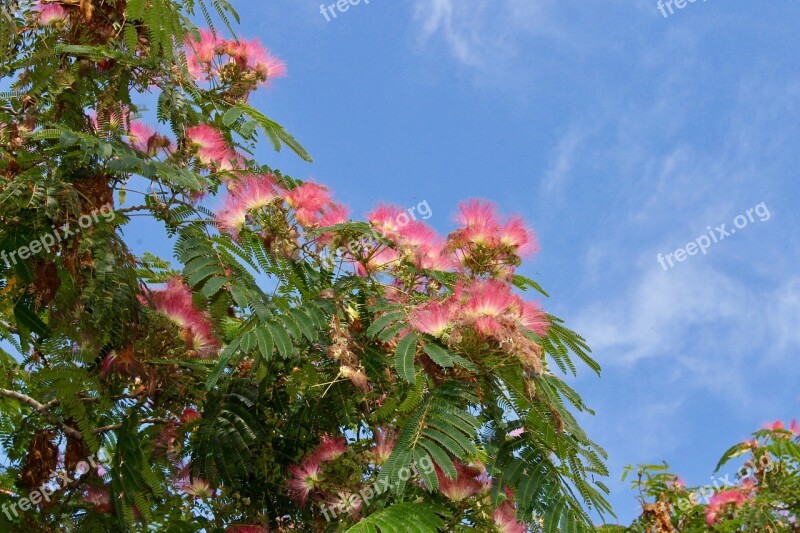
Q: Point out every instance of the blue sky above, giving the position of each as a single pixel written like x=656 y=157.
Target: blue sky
x=619 y=134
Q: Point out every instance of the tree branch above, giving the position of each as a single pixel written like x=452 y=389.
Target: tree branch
x=43 y=409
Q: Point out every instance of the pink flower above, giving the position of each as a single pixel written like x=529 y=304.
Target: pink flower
x=477 y=213
x=303 y=479
x=432 y=318
x=434 y=257
x=175 y=301
x=532 y=317
x=200 y=54
x=50 y=13
x=416 y=234
x=250 y=54
x=308 y=201
x=505 y=519
x=212 y=149
x=240 y=528
x=207 y=47
x=377 y=260
x=198 y=488
x=122 y=362
x=465 y=485
x=776 y=426
x=481 y=225
x=329 y=449
x=722 y=500
x=100 y=498
x=139 y=135
x=334 y=214
x=486 y=303
x=246 y=528
x=515 y=234
x=250 y=193
x=384 y=444
x=386 y=219
x=190 y=415
x=347 y=502
x=794 y=427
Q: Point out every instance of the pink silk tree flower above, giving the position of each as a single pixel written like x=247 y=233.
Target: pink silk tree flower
x=50 y=13
x=250 y=193
x=432 y=318
x=721 y=501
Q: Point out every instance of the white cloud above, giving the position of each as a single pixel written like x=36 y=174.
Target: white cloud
x=481 y=32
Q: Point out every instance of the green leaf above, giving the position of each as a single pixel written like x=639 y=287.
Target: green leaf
x=224 y=358
x=265 y=344
x=404 y=357
x=384 y=321
x=282 y=339
x=232 y=115
x=439 y=355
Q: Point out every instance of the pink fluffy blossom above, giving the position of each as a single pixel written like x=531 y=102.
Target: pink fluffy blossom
x=252 y=55
x=465 y=484
x=377 y=261
x=99 y=498
x=50 y=13
x=190 y=415
x=303 y=479
x=721 y=501
x=200 y=53
x=334 y=214
x=329 y=449
x=532 y=317
x=250 y=193
x=175 y=301
x=515 y=234
x=479 y=218
x=386 y=219
x=487 y=302
x=308 y=201
x=432 y=318
x=384 y=444
x=139 y=135
x=505 y=519
x=212 y=149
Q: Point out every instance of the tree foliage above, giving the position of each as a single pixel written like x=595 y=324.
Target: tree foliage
x=763 y=495
x=288 y=368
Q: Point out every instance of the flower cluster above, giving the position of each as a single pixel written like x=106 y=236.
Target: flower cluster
x=306 y=476
x=236 y=61
x=175 y=301
x=212 y=149
x=485 y=244
x=254 y=195
x=505 y=516
x=793 y=427
x=489 y=309
x=723 y=501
